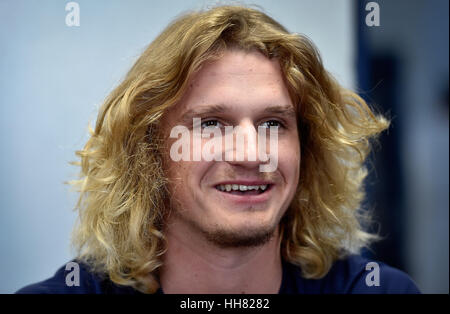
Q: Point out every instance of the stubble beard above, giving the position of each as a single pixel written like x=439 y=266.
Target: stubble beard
x=232 y=239
x=227 y=238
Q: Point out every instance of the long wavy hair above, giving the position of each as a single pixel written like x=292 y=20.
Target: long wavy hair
x=123 y=189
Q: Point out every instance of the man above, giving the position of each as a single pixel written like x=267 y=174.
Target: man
x=211 y=222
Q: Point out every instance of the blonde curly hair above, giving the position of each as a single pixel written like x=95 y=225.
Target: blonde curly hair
x=122 y=185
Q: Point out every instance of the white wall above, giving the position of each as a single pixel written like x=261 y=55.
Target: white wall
x=54 y=77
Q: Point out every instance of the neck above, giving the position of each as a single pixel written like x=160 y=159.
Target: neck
x=194 y=265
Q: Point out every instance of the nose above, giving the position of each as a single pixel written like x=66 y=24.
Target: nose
x=241 y=146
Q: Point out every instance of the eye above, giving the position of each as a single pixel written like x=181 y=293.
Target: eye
x=272 y=123
x=211 y=124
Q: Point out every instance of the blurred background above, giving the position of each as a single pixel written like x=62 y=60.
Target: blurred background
x=54 y=77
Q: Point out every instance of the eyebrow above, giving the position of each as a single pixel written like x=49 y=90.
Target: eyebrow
x=286 y=111
x=201 y=111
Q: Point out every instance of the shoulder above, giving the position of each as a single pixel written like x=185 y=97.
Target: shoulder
x=75 y=278
x=362 y=275
x=358 y=275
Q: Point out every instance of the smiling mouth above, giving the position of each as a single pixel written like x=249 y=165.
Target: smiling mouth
x=239 y=189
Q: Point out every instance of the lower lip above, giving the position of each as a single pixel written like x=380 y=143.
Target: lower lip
x=247 y=199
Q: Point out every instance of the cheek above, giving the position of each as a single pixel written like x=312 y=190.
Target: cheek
x=185 y=177
x=289 y=159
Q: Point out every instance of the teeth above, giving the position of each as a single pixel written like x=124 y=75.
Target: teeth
x=237 y=187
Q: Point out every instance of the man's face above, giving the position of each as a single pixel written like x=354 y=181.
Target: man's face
x=240 y=89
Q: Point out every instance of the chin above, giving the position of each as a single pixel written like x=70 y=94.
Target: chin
x=247 y=218
x=241 y=234
x=226 y=239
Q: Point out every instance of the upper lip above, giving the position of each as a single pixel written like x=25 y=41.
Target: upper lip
x=245 y=182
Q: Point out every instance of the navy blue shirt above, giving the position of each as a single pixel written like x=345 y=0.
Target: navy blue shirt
x=345 y=276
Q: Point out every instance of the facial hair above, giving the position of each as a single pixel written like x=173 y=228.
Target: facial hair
x=239 y=239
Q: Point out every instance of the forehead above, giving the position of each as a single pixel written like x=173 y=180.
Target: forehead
x=239 y=62
x=238 y=80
